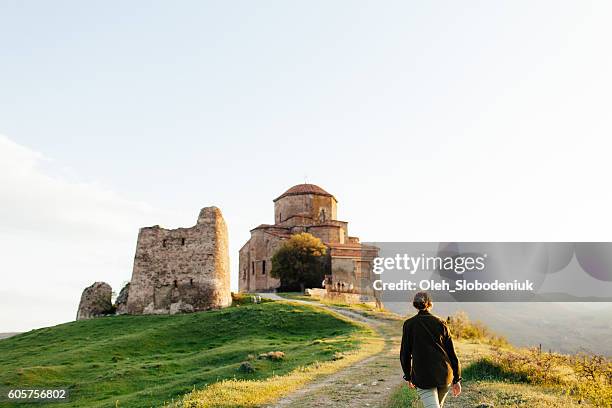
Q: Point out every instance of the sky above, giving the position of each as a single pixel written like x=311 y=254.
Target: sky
x=429 y=121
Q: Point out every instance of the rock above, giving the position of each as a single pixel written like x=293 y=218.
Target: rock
x=276 y=355
x=150 y=310
x=180 y=307
x=121 y=302
x=272 y=355
x=246 y=367
x=95 y=301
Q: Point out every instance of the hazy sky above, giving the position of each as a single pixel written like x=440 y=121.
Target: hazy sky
x=429 y=121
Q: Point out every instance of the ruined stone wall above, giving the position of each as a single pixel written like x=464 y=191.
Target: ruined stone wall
x=183 y=269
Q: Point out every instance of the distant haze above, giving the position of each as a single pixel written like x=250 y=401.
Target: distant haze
x=562 y=327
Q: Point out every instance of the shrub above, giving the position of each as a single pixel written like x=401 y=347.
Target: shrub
x=594 y=378
x=461 y=327
x=583 y=376
x=533 y=366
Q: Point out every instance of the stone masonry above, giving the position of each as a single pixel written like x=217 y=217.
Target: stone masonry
x=308 y=208
x=183 y=269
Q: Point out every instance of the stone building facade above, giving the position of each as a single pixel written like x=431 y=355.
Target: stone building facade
x=181 y=270
x=307 y=208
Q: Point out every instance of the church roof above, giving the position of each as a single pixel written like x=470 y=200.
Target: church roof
x=304 y=189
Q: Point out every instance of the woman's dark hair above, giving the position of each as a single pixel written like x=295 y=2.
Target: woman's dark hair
x=422 y=300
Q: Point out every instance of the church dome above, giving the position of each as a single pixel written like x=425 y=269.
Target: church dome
x=302 y=189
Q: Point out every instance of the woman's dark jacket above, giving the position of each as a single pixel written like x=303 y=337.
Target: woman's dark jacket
x=427 y=354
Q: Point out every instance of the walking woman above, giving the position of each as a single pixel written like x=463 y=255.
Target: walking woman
x=428 y=355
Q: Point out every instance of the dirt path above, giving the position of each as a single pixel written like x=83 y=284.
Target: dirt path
x=365 y=384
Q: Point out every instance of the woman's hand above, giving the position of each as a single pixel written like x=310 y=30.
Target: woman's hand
x=456 y=389
x=409 y=384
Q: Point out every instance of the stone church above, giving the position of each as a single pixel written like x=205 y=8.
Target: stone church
x=307 y=208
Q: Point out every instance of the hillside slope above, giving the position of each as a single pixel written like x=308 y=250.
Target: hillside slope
x=141 y=361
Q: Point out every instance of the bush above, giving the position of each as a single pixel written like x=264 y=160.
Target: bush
x=461 y=327
x=534 y=366
x=585 y=377
x=594 y=374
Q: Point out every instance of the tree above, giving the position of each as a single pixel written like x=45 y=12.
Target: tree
x=300 y=262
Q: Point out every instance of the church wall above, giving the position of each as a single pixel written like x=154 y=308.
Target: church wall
x=309 y=205
x=244 y=261
x=343 y=270
x=256 y=259
x=328 y=234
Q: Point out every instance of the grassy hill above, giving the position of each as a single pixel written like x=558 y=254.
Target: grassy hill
x=141 y=361
x=231 y=358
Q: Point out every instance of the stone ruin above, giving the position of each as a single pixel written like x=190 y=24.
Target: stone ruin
x=175 y=271
x=95 y=301
x=121 y=301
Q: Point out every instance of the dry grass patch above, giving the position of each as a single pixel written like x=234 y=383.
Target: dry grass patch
x=253 y=393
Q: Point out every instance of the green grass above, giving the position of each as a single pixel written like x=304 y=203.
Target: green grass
x=402 y=398
x=141 y=361
x=297 y=296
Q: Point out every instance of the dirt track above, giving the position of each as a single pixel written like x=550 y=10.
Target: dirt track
x=365 y=384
